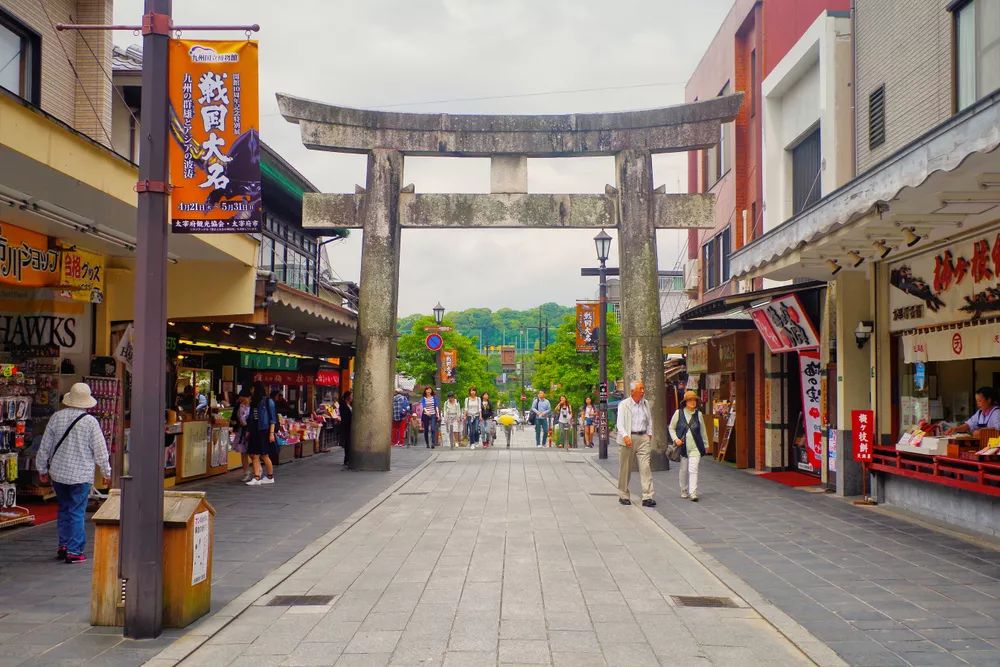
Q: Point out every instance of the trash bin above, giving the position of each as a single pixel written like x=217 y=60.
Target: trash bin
x=188 y=532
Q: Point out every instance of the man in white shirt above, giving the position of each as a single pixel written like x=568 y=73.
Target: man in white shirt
x=635 y=430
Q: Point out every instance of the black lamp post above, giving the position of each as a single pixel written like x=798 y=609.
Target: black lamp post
x=603 y=243
x=438 y=318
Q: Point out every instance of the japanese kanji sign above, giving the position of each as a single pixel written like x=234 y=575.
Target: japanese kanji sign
x=863 y=431
x=956 y=283
x=812 y=406
x=588 y=323
x=215 y=142
x=27 y=258
x=449 y=366
x=82 y=275
x=784 y=325
x=268 y=362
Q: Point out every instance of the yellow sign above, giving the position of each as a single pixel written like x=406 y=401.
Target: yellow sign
x=83 y=275
x=215 y=146
x=26 y=259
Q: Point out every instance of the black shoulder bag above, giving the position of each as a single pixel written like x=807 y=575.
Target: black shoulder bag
x=48 y=464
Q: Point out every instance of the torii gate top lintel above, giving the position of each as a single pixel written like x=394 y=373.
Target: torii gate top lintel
x=675 y=128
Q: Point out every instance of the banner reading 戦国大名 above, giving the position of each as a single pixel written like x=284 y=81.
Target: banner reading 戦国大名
x=214 y=137
x=588 y=324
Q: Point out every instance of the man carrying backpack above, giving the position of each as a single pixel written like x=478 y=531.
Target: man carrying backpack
x=540 y=409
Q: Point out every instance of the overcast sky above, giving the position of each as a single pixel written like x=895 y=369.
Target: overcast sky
x=447 y=56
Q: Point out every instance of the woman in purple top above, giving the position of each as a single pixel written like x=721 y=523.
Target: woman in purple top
x=987 y=416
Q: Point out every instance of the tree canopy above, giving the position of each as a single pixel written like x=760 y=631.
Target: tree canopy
x=560 y=369
x=504 y=325
x=416 y=361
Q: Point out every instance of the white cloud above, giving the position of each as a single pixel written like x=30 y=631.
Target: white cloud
x=400 y=54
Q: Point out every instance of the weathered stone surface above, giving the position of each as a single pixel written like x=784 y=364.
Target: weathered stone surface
x=513 y=210
x=508 y=174
x=641 y=350
x=676 y=128
x=375 y=371
x=680 y=211
x=322 y=211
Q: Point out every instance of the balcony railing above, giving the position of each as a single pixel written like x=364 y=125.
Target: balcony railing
x=975 y=476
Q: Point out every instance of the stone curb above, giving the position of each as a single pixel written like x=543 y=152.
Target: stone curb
x=205 y=629
x=805 y=641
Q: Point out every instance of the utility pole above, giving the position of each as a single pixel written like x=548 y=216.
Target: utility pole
x=141 y=519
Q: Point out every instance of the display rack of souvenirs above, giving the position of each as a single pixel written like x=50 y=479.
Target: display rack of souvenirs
x=106 y=391
x=17 y=391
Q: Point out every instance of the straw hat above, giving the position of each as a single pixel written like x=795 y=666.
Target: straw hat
x=79 y=396
x=689 y=394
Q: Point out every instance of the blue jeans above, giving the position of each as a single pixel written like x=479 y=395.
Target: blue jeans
x=72 y=500
x=541 y=431
x=472 y=428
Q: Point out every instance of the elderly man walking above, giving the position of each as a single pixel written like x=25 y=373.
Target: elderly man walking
x=635 y=430
x=72 y=448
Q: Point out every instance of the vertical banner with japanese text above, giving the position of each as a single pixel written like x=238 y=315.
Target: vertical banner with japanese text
x=812 y=406
x=863 y=434
x=449 y=366
x=588 y=323
x=214 y=137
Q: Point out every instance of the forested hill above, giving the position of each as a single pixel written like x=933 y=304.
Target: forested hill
x=494 y=323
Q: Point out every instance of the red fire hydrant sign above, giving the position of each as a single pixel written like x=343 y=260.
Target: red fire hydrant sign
x=863 y=431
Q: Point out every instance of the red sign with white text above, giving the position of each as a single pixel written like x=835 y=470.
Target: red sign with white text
x=863 y=432
x=784 y=325
x=328 y=378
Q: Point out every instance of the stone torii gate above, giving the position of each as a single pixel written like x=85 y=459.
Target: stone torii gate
x=383 y=207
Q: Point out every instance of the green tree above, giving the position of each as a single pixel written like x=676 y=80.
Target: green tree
x=416 y=361
x=565 y=371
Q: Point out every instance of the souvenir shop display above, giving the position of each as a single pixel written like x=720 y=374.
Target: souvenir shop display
x=106 y=391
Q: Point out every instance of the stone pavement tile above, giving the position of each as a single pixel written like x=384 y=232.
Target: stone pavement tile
x=332 y=630
x=129 y=657
x=313 y=653
x=524 y=651
x=377 y=641
x=571 y=659
x=980 y=657
x=419 y=651
x=569 y=641
x=209 y=656
x=363 y=659
x=257 y=661
x=512 y=628
x=562 y=621
x=865 y=653
x=470 y=658
x=619 y=632
x=633 y=655
x=385 y=621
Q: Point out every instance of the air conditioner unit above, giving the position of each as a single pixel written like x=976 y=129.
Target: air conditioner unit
x=692 y=276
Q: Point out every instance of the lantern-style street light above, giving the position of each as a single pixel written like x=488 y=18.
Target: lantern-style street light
x=603 y=244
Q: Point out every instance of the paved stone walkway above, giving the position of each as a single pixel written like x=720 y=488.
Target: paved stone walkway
x=45 y=604
x=497 y=557
x=878 y=589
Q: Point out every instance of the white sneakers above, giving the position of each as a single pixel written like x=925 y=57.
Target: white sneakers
x=684 y=494
x=263 y=480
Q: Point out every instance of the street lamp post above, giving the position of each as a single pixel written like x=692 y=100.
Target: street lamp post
x=438 y=318
x=603 y=243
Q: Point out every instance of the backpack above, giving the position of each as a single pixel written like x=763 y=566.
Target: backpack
x=531 y=415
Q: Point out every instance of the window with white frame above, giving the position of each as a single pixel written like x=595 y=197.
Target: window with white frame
x=19 y=58
x=977 y=50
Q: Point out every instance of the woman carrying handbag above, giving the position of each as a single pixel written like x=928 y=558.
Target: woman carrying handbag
x=687 y=430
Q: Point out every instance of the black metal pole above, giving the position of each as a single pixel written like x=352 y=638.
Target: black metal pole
x=142 y=531
x=602 y=361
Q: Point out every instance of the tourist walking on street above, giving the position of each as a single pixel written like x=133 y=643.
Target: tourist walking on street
x=430 y=415
x=413 y=430
x=400 y=412
x=687 y=430
x=473 y=417
x=489 y=427
x=72 y=448
x=453 y=419
x=635 y=430
x=589 y=421
x=262 y=424
x=241 y=432
x=564 y=424
x=540 y=409
x=346 y=419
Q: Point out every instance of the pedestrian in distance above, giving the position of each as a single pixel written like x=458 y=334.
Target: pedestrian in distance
x=73 y=446
x=635 y=431
x=473 y=413
x=241 y=432
x=413 y=430
x=507 y=423
x=281 y=409
x=430 y=415
x=687 y=430
x=262 y=424
x=400 y=416
x=489 y=427
x=563 y=426
x=589 y=421
x=453 y=419
x=540 y=409
x=346 y=419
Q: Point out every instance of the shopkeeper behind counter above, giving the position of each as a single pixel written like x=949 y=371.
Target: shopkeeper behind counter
x=987 y=416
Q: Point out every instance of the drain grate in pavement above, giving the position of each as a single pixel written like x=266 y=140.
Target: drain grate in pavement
x=300 y=600
x=412 y=493
x=702 y=601
x=603 y=494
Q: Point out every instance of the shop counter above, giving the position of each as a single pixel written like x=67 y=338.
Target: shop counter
x=202 y=450
x=978 y=476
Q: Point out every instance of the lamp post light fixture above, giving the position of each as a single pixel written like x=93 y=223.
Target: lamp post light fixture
x=438 y=318
x=439 y=313
x=603 y=244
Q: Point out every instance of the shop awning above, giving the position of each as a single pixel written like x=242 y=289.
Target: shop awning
x=304 y=312
x=740 y=302
x=682 y=333
x=978 y=341
x=947 y=178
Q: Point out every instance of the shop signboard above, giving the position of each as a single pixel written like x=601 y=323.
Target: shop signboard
x=784 y=325
x=125 y=349
x=588 y=324
x=969 y=342
x=214 y=137
x=27 y=259
x=449 y=366
x=508 y=357
x=328 y=378
x=283 y=378
x=267 y=362
x=812 y=396
x=697 y=358
x=199 y=548
x=863 y=432
x=82 y=275
x=959 y=282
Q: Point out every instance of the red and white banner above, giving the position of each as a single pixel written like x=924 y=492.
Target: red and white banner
x=812 y=402
x=863 y=433
x=784 y=325
x=328 y=378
